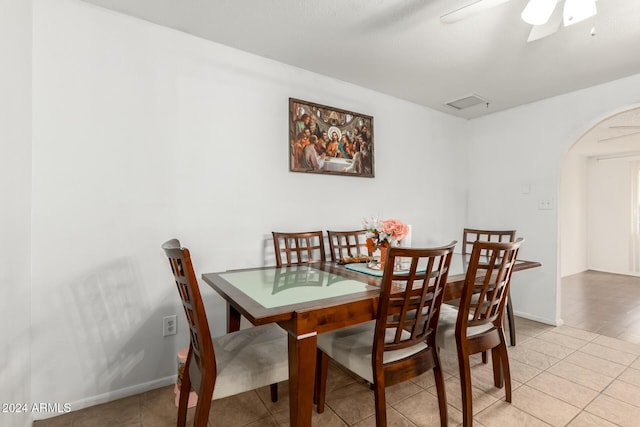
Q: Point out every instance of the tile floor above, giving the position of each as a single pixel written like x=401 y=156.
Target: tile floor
x=608 y=304
x=561 y=376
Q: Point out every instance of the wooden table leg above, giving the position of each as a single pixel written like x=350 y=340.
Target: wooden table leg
x=302 y=363
x=233 y=319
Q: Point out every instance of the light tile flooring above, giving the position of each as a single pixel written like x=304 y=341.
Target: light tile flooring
x=561 y=376
x=608 y=304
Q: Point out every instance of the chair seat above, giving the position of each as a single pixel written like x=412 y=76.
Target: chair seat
x=447 y=326
x=249 y=359
x=352 y=348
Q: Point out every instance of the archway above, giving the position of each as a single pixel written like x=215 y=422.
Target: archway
x=596 y=186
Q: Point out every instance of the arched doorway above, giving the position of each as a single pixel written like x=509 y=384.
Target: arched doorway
x=599 y=222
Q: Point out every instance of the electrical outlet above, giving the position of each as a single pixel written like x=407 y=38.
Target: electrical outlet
x=169 y=325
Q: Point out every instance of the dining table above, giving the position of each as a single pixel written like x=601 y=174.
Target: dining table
x=310 y=299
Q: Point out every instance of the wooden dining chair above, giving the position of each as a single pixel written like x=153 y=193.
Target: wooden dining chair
x=470 y=235
x=298 y=248
x=477 y=324
x=343 y=244
x=219 y=367
x=401 y=343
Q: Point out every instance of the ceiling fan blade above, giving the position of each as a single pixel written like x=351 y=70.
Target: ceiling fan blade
x=623 y=135
x=553 y=24
x=469 y=9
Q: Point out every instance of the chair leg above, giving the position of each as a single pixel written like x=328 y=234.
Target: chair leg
x=506 y=371
x=381 y=404
x=185 y=389
x=496 y=358
x=274 y=392
x=205 y=394
x=442 y=397
x=321 y=380
x=465 y=385
x=511 y=318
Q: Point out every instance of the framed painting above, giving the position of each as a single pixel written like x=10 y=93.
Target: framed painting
x=329 y=140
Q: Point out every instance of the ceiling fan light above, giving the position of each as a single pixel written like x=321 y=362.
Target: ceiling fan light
x=578 y=10
x=538 y=12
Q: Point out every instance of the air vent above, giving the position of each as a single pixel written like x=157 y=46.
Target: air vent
x=467 y=101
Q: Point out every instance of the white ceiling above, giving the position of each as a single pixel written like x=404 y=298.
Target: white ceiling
x=401 y=48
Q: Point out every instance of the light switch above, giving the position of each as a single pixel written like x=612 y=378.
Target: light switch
x=545 y=205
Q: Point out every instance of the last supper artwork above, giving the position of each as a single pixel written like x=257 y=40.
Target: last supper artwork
x=329 y=140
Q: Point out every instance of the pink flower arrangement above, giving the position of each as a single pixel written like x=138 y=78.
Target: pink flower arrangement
x=385 y=233
x=396 y=229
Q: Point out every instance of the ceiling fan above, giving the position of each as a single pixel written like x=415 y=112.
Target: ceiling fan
x=545 y=16
x=623 y=126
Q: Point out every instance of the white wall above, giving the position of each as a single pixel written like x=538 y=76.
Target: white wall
x=572 y=210
x=15 y=193
x=523 y=148
x=609 y=215
x=141 y=134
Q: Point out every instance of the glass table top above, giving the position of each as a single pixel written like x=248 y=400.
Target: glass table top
x=458 y=266
x=276 y=287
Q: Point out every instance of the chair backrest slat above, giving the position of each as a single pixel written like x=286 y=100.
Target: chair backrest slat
x=486 y=287
x=203 y=357
x=344 y=244
x=410 y=300
x=471 y=235
x=298 y=248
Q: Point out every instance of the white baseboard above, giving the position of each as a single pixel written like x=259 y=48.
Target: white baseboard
x=111 y=396
x=628 y=273
x=556 y=322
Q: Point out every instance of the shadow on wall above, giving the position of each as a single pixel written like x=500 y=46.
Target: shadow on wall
x=118 y=335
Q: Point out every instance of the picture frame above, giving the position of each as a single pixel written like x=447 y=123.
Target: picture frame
x=329 y=140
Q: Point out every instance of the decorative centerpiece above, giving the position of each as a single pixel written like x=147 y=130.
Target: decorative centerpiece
x=381 y=235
